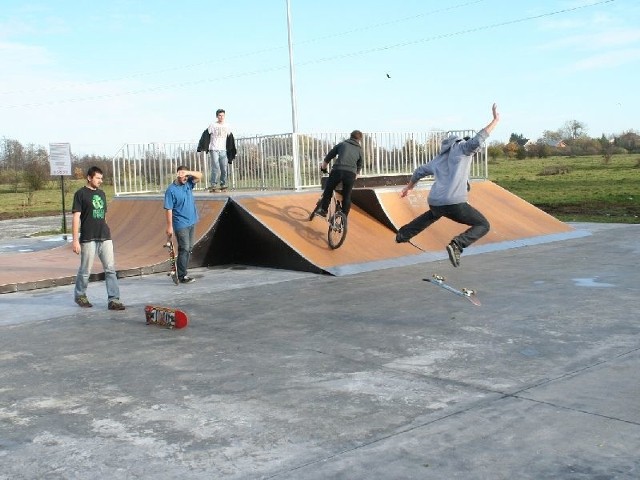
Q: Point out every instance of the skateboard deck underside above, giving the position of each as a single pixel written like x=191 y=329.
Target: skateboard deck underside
x=165 y=317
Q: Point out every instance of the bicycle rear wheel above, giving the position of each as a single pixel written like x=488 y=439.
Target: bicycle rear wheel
x=337 y=229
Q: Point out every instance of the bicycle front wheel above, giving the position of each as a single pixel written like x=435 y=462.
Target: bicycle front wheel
x=337 y=229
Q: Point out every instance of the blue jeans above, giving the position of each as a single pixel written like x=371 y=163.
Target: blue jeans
x=88 y=252
x=459 y=212
x=185 y=245
x=218 y=167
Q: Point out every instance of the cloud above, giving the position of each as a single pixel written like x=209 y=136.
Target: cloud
x=620 y=37
x=21 y=56
x=614 y=58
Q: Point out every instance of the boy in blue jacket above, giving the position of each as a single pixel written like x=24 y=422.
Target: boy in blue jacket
x=181 y=215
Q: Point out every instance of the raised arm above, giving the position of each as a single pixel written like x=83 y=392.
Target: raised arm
x=496 y=118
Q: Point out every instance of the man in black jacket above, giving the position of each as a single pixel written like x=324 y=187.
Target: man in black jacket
x=345 y=169
x=218 y=141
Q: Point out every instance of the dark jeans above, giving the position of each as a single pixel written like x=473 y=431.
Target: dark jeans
x=185 y=245
x=335 y=177
x=460 y=212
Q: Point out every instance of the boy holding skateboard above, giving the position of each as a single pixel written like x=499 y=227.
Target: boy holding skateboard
x=182 y=216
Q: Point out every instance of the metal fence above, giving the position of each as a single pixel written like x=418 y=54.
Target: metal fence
x=268 y=162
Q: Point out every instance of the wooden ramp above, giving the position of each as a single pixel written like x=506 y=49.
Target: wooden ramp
x=369 y=244
x=273 y=230
x=138 y=230
x=375 y=216
x=512 y=219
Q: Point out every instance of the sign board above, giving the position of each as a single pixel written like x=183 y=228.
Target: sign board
x=60 y=158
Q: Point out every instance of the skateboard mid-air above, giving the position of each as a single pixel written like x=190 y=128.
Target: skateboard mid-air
x=467 y=293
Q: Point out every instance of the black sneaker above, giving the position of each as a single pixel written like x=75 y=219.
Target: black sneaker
x=401 y=238
x=84 y=302
x=321 y=212
x=187 y=279
x=115 y=305
x=454 y=253
x=223 y=188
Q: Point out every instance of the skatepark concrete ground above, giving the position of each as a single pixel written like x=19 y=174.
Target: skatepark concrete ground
x=377 y=375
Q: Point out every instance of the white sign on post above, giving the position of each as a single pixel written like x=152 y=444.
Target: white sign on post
x=60 y=158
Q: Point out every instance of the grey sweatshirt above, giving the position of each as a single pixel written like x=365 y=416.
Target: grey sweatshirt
x=451 y=169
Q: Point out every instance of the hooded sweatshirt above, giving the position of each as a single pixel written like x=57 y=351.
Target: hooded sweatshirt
x=349 y=155
x=451 y=169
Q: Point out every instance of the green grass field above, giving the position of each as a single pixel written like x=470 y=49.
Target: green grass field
x=16 y=202
x=577 y=188
x=571 y=189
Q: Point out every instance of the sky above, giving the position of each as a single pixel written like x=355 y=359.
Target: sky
x=99 y=74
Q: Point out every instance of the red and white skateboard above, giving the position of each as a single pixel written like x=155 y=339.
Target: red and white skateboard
x=165 y=317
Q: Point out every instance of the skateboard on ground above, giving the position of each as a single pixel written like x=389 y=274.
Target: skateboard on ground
x=173 y=273
x=165 y=317
x=465 y=292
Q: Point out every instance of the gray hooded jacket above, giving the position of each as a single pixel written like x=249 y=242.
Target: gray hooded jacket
x=451 y=169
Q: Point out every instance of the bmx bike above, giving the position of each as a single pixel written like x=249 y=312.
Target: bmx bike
x=336 y=218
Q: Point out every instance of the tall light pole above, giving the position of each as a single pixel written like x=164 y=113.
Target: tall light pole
x=294 y=115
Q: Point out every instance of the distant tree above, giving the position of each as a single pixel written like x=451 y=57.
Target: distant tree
x=495 y=150
x=581 y=146
x=544 y=150
x=12 y=154
x=78 y=173
x=87 y=161
x=606 y=147
x=10 y=177
x=538 y=149
x=511 y=149
x=519 y=139
x=574 y=129
x=36 y=175
x=552 y=138
x=629 y=140
x=36 y=170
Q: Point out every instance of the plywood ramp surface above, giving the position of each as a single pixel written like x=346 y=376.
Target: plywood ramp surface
x=138 y=231
x=138 y=228
x=287 y=216
x=511 y=218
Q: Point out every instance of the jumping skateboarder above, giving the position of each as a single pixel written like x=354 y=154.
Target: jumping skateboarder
x=449 y=192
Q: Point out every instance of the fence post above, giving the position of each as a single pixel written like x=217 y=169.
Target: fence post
x=262 y=168
x=297 y=181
